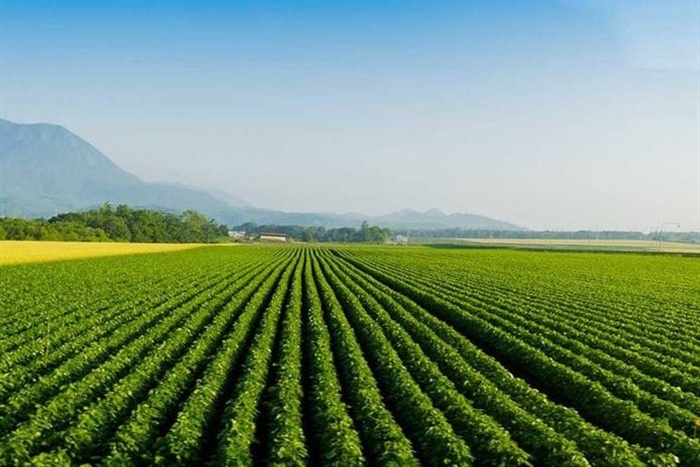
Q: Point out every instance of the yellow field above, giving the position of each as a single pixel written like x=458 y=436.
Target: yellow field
x=13 y=252
x=630 y=245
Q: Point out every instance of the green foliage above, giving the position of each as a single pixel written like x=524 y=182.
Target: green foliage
x=182 y=444
x=378 y=427
x=236 y=438
x=285 y=426
x=426 y=425
x=668 y=236
x=356 y=355
x=489 y=326
x=489 y=441
x=123 y=224
x=365 y=234
x=331 y=431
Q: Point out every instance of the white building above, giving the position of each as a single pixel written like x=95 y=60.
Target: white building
x=275 y=237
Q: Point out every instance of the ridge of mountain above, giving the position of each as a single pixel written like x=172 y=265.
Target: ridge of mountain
x=46 y=169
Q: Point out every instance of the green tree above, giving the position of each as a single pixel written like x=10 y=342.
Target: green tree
x=193 y=226
x=116 y=228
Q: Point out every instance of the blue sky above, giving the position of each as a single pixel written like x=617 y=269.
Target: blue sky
x=562 y=115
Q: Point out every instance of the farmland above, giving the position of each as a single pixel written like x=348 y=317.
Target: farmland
x=577 y=244
x=12 y=252
x=351 y=356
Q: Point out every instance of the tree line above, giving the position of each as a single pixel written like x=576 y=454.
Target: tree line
x=120 y=224
x=667 y=236
x=365 y=234
x=127 y=224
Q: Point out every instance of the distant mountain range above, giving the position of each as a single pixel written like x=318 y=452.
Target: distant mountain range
x=45 y=169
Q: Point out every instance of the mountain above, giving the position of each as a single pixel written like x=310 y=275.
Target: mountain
x=227 y=197
x=45 y=169
x=435 y=219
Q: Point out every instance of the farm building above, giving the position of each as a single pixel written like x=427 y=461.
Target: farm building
x=276 y=237
x=401 y=239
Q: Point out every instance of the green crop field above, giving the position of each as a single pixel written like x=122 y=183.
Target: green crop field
x=577 y=244
x=351 y=356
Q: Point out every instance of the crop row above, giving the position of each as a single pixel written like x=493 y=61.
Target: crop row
x=521 y=351
x=656 y=396
x=346 y=356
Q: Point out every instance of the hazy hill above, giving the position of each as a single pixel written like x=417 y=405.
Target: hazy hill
x=435 y=219
x=45 y=169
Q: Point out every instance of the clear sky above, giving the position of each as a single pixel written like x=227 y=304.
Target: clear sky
x=559 y=115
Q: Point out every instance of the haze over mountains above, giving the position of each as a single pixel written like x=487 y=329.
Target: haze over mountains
x=45 y=169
